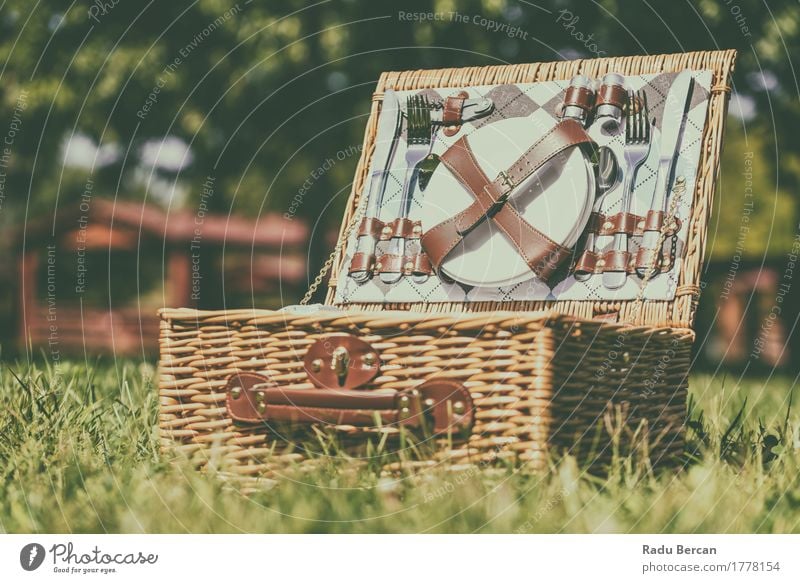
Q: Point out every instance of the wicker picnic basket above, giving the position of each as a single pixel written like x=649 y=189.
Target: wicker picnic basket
x=527 y=379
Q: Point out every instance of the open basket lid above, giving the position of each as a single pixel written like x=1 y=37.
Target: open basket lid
x=677 y=308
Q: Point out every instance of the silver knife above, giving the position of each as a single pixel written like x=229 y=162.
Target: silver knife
x=389 y=124
x=673 y=125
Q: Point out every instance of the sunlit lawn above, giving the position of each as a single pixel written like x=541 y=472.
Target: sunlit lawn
x=79 y=453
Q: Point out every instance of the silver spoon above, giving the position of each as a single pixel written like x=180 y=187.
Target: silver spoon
x=608 y=178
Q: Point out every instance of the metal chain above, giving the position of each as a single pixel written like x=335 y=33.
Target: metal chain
x=326 y=267
x=677 y=192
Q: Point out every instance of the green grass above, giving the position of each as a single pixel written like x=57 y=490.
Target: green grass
x=79 y=453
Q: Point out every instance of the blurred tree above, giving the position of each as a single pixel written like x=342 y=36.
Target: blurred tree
x=260 y=95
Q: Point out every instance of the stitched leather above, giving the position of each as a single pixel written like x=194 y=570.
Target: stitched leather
x=442 y=405
x=422 y=265
x=452 y=113
x=453 y=108
x=361 y=262
x=388 y=263
x=371 y=226
x=580 y=97
x=406 y=228
x=616 y=260
x=612 y=95
x=587 y=262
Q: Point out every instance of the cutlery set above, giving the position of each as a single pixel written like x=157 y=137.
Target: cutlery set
x=423 y=120
x=616 y=262
x=389 y=251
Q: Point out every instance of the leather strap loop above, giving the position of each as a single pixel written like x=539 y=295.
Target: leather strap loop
x=406 y=228
x=388 y=263
x=612 y=95
x=453 y=108
x=371 y=226
x=654 y=220
x=616 y=261
x=422 y=265
x=587 y=263
x=453 y=112
x=580 y=97
x=361 y=262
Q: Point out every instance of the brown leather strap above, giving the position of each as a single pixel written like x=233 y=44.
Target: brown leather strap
x=628 y=223
x=406 y=228
x=620 y=223
x=371 y=226
x=586 y=263
x=541 y=253
x=612 y=95
x=361 y=262
x=654 y=220
x=644 y=259
x=616 y=260
x=591 y=262
x=453 y=112
x=441 y=405
x=388 y=263
x=417 y=264
x=421 y=264
x=561 y=137
x=579 y=96
x=453 y=108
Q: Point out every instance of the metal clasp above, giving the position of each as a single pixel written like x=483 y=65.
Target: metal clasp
x=340 y=363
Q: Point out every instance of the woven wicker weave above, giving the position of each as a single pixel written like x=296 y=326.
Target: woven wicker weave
x=538 y=382
x=543 y=376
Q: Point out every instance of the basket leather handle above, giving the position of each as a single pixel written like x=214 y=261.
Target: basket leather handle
x=438 y=405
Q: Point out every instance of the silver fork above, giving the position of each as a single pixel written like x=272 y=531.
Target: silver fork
x=637 y=146
x=418 y=141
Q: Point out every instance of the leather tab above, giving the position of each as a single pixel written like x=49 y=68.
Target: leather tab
x=388 y=263
x=371 y=226
x=341 y=361
x=587 y=263
x=242 y=400
x=406 y=228
x=361 y=262
x=612 y=95
x=654 y=220
x=579 y=97
x=622 y=223
x=445 y=402
x=616 y=261
x=421 y=264
x=452 y=113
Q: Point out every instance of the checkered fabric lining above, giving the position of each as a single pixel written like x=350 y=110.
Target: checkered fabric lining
x=525 y=99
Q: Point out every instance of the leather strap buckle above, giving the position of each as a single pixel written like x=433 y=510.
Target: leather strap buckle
x=497 y=204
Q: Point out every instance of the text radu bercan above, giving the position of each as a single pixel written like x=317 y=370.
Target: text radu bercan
x=677 y=550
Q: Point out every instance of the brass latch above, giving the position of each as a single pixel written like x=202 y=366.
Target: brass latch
x=341 y=361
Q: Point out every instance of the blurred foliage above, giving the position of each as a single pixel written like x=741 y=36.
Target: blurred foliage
x=264 y=93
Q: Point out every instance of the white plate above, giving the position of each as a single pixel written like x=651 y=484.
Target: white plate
x=556 y=200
